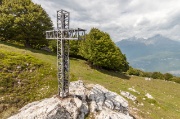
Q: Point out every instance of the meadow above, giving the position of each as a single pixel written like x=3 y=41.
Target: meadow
x=39 y=81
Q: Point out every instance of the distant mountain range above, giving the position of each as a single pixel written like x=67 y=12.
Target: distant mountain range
x=157 y=53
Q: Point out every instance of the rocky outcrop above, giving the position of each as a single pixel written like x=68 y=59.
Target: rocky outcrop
x=51 y=108
x=95 y=100
x=101 y=98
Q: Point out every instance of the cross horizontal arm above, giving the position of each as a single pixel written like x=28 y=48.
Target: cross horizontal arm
x=67 y=34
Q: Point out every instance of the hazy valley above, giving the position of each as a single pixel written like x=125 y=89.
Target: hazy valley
x=157 y=53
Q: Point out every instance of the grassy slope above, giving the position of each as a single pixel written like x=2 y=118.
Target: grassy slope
x=23 y=78
x=166 y=104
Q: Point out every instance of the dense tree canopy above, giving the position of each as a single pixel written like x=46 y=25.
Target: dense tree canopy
x=99 y=49
x=24 y=21
x=74 y=48
x=157 y=75
x=168 y=76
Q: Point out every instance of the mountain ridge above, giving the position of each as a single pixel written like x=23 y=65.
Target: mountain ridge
x=151 y=40
x=156 y=53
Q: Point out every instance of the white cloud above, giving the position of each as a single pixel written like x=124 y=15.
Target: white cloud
x=121 y=18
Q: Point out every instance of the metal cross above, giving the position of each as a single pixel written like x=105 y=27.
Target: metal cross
x=63 y=34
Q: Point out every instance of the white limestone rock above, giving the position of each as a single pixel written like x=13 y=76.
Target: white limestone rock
x=46 y=108
x=109 y=104
x=101 y=98
x=53 y=108
x=132 y=89
x=77 y=88
x=93 y=106
x=128 y=95
x=148 y=79
x=99 y=101
x=109 y=114
x=149 y=96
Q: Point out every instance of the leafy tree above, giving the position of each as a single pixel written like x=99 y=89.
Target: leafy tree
x=99 y=49
x=136 y=72
x=168 y=76
x=147 y=74
x=176 y=79
x=53 y=45
x=74 y=48
x=157 y=75
x=25 y=22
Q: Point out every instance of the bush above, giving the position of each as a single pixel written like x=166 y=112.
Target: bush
x=176 y=79
x=53 y=45
x=168 y=76
x=135 y=72
x=147 y=74
x=157 y=75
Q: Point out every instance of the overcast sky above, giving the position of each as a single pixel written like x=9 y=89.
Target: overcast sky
x=121 y=18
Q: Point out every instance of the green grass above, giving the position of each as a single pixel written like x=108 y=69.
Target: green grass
x=23 y=78
x=166 y=95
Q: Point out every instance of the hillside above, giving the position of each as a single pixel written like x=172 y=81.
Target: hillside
x=164 y=105
x=157 y=53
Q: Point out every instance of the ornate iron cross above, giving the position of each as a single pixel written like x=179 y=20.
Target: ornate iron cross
x=63 y=34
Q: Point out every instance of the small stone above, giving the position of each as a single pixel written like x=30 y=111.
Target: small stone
x=18 y=67
x=141 y=104
x=147 y=79
x=128 y=95
x=132 y=89
x=149 y=96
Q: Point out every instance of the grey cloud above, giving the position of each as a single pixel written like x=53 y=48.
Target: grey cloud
x=121 y=18
x=172 y=21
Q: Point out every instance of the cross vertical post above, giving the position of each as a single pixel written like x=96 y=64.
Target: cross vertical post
x=63 y=34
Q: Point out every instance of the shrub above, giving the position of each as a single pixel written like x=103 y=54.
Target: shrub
x=168 y=76
x=157 y=75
